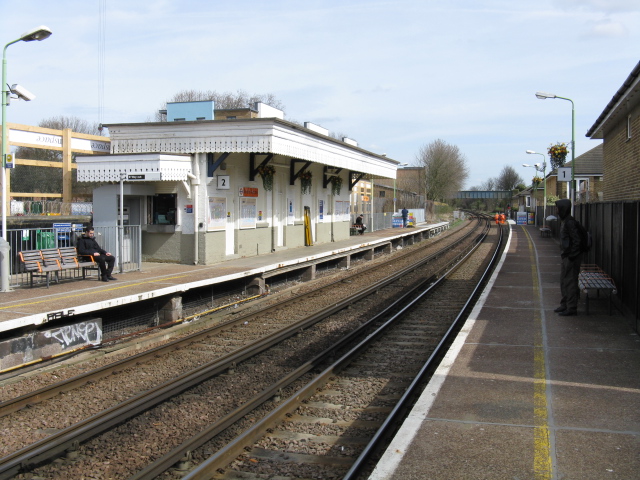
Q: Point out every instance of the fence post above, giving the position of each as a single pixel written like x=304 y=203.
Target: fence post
x=67 y=176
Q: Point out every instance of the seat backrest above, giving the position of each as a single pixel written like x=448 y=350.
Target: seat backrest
x=32 y=259
x=68 y=255
x=50 y=257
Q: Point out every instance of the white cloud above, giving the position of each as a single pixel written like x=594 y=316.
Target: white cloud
x=608 y=28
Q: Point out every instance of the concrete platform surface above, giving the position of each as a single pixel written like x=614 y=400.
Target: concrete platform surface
x=524 y=393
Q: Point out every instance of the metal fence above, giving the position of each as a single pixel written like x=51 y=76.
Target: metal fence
x=49 y=207
x=126 y=247
x=382 y=221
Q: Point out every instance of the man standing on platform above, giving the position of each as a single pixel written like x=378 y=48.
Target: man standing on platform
x=405 y=216
x=571 y=253
x=87 y=246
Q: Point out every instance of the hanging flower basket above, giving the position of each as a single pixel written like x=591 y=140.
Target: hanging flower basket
x=267 y=172
x=558 y=154
x=336 y=185
x=305 y=181
x=537 y=181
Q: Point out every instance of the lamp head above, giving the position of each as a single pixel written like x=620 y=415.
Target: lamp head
x=39 y=33
x=544 y=95
x=22 y=93
x=530 y=151
x=536 y=165
x=526 y=165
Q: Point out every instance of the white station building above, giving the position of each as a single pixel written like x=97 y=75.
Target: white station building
x=194 y=183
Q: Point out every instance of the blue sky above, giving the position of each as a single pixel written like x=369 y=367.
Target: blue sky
x=393 y=75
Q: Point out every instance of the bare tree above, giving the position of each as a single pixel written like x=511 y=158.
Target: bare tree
x=445 y=169
x=223 y=101
x=489 y=184
x=508 y=178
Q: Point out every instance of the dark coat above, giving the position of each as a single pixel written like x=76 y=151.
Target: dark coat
x=89 y=246
x=570 y=239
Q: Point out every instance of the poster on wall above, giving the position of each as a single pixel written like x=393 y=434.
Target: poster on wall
x=290 y=215
x=248 y=212
x=217 y=213
x=342 y=211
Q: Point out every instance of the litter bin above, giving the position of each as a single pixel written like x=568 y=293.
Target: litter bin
x=45 y=240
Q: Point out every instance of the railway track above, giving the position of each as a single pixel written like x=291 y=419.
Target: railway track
x=225 y=367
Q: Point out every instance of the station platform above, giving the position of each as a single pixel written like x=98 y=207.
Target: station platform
x=28 y=307
x=524 y=393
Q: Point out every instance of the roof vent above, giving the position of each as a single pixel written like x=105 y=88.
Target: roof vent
x=316 y=128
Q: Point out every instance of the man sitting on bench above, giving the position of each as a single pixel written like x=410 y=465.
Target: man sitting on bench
x=87 y=245
x=360 y=224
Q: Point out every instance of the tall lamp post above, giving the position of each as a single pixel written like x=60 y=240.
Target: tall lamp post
x=536 y=168
x=40 y=33
x=542 y=169
x=544 y=96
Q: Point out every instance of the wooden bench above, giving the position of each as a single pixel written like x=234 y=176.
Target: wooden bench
x=41 y=263
x=35 y=265
x=545 y=232
x=69 y=255
x=593 y=279
x=355 y=229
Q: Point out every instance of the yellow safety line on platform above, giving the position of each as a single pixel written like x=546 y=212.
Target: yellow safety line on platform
x=542 y=463
x=92 y=292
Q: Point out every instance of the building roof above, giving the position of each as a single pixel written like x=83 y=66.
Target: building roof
x=257 y=135
x=590 y=163
x=627 y=96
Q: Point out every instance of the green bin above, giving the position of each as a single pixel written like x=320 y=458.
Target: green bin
x=45 y=240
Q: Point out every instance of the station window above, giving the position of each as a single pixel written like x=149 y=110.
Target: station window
x=161 y=209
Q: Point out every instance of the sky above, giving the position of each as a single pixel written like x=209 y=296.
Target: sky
x=392 y=75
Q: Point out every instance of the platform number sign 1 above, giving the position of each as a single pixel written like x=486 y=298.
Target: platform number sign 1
x=223 y=182
x=564 y=174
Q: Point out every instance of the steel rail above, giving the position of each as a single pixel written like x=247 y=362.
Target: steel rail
x=178 y=453
x=12 y=405
x=427 y=369
x=58 y=443
x=225 y=455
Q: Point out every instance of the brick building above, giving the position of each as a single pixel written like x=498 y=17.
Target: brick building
x=619 y=128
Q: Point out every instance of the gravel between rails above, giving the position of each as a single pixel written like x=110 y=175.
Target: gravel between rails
x=34 y=423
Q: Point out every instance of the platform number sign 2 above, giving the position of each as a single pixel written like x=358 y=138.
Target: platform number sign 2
x=223 y=182
x=564 y=174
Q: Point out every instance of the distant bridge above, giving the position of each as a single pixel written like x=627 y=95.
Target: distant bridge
x=485 y=194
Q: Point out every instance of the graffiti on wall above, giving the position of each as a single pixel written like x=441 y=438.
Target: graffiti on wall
x=79 y=334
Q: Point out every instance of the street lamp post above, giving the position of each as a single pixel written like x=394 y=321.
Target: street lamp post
x=542 y=169
x=544 y=96
x=533 y=184
x=40 y=33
